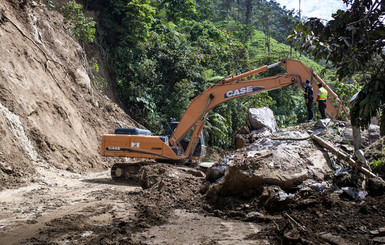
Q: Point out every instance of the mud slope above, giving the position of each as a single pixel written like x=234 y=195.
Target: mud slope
x=51 y=114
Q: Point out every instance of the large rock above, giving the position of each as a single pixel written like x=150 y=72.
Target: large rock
x=262 y=117
x=373 y=134
x=240 y=140
x=322 y=123
x=368 y=137
x=284 y=163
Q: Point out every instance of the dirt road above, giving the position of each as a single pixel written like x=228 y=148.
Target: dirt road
x=68 y=208
x=62 y=201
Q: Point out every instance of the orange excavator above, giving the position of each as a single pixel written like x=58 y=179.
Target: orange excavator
x=139 y=143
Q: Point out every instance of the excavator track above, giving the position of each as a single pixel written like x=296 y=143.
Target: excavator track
x=125 y=171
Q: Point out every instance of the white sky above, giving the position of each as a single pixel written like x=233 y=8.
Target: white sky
x=314 y=8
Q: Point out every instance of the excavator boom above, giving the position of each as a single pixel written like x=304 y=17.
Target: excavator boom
x=176 y=148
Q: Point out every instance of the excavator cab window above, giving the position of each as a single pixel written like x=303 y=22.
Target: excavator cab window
x=200 y=148
x=171 y=127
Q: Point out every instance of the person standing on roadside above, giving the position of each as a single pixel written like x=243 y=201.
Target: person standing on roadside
x=309 y=100
x=321 y=98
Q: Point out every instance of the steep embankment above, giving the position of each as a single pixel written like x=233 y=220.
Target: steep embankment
x=50 y=112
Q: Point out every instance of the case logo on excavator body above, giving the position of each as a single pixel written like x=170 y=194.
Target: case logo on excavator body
x=243 y=90
x=113 y=148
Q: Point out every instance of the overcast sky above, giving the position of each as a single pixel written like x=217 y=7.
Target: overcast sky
x=314 y=8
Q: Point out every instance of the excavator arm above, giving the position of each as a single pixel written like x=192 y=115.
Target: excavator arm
x=221 y=93
x=233 y=87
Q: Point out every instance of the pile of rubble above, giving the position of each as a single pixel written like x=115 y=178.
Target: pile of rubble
x=298 y=190
x=289 y=157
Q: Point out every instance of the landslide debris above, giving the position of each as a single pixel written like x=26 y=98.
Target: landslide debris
x=52 y=117
x=298 y=191
x=289 y=187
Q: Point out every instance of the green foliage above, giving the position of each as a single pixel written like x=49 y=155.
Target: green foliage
x=163 y=53
x=216 y=130
x=126 y=24
x=347 y=90
x=94 y=63
x=82 y=27
x=178 y=9
x=183 y=92
x=100 y=82
x=378 y=163
x=289 y=108
x=378 y=166
x=138 y=18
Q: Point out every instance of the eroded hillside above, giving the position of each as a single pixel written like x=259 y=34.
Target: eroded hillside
x=51 y=114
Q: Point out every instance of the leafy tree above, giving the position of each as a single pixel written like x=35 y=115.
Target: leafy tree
x=82 y=27
x=353 y=43
x=163 y=53
x=128 y=22
x=207 y=9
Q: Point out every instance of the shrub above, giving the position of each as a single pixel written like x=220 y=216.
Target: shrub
x=82 y=27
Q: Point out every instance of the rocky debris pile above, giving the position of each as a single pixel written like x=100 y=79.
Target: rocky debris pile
x=177 y=187
x=271 y=157
x=290 y=160
x=284 y=181
x=287 y=180
x=284 y=163
x=262 y=123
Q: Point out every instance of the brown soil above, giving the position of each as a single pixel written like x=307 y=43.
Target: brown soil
x=68 y=208
x=55 y=187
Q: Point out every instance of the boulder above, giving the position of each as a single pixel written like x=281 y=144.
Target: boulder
x=240 y=141
x=371 y=135
x=283 y=163
x=322 y=123
x=262 y=117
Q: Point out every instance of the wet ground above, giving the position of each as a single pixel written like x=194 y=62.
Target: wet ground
x=67 y=208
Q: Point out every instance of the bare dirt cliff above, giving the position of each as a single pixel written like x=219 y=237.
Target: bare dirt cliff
x=51 y=114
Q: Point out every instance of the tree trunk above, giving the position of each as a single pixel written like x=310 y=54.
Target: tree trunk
x=343 y=156
x=249 y=11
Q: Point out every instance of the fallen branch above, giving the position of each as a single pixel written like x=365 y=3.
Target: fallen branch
x=294 y=221
x=343 y=156
x=305 y=138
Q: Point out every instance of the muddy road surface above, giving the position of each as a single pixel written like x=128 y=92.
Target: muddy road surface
x=63 y=208
x=68 y=208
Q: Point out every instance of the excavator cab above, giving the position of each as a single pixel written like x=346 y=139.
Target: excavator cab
x=201 y=148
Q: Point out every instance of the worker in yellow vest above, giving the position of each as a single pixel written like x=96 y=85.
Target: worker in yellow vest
x=322 y=96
